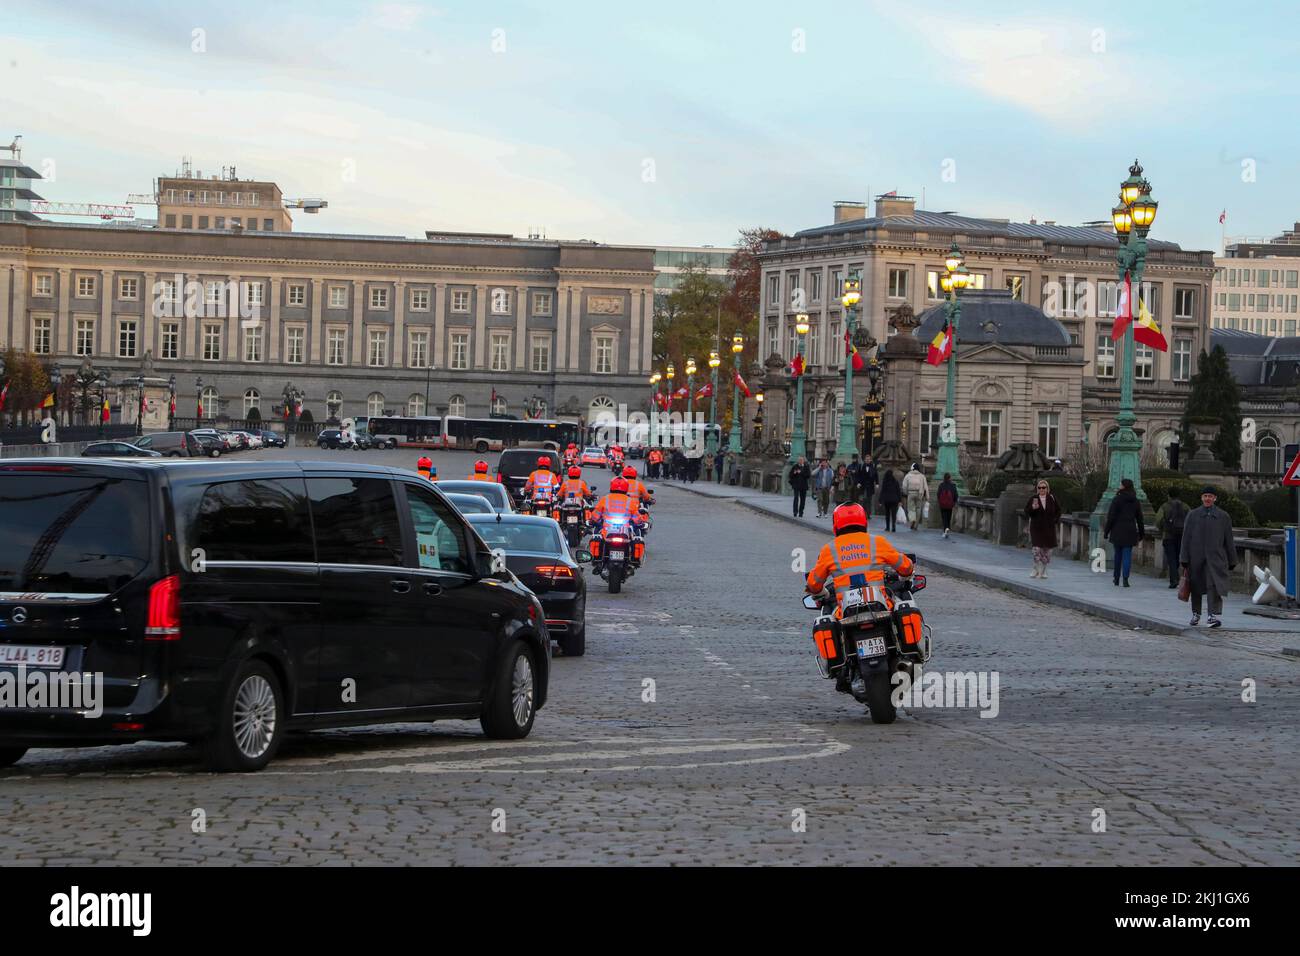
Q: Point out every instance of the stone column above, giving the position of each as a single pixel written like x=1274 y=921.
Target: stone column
x=149 y=321
x=634 y=344
x=7 y=300
x=63 y=324
x=106 y=293
x=521 y=328
x=439 y=325
x=358 y=321
x=480 y=326
x=397 y=346
x=560 y=362
x=273 y=327
x=230 y=353
x=316 y=328
x=575 y=329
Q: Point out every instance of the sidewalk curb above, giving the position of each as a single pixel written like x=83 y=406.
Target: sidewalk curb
x=1114 y=615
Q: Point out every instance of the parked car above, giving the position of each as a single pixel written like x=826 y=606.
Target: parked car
x=247 y=440
x=258 y=640
x=209 y=445
x=271 y=439
x=333 y=438
x=228 y=441
x=471 y=504
x=593 y=456
x=171 y=444
x=495 y=493
x=516 y=464
x=538 y=554
x=116 y=449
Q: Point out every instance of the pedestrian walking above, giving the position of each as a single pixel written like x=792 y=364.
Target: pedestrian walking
x=947 y=501
x=1169 y=522
x=823 y=485
x=708 y=467
x=917 y=491
x=1124 y=528
x=890 y=496
x=855 y=488
x=719 y=461
x=1208 y=555
x=841 y=485
x=868 y=479
x=800 y=475
x=1044 y=514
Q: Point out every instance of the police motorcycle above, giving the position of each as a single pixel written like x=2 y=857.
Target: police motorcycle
x=617 y=549
x=573 y=516
x=880 y=633
x=542 y=504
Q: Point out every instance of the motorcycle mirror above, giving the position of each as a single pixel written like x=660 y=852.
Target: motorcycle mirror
x=583 y=556
x=918 y=582
x=810 y=602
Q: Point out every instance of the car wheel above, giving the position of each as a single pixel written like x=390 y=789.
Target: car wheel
x=250 y=724
x=510 y=711
x=11 y=755
x=215 y=453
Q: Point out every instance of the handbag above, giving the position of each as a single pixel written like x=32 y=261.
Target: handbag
x=925 y=511
x=1184 y=587
x=902 y=515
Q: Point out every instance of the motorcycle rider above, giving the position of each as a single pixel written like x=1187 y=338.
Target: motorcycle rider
x=853 y=551
x=576 y=486
x=617 y=504
x=480 y=471
x=636 y=489
x=571 y=454
x=542 y=479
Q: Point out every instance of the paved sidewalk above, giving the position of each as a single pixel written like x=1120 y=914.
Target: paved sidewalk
x=1149 y=604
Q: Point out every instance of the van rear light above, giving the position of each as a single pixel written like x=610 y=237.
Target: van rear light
x=164 y=622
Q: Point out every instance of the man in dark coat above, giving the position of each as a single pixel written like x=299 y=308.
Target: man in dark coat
x=868 y=478
x=1209 y=554
x=800 y=475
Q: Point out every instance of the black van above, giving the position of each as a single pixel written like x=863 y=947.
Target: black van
x=226 y=603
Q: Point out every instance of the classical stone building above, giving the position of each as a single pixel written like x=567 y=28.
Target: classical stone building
x=1069 y=271
x=361 y=324
x=1268 y=370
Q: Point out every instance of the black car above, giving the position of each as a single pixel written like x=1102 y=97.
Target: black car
x=538 y=554
x=117 y=449
x=171 y=444
x=226 y=603
x=471 y=504
x=333 y=438
x=516 y=464
x=270 y=439
x=210 y=446
x=496 y=494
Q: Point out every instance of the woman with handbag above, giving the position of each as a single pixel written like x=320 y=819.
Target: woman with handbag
x=1044 y=514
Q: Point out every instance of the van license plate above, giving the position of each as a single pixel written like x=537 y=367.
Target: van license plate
x=12 y=655
x=871 y=647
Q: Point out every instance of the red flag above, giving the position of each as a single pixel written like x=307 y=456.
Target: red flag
x=797 y=366
x=681 y=392
x=200 y=415
x=740 y=383
x=103 y=412
x=706 y=391
x=171 y=406
x=1147 y=331
x=1124 y=310
x=940 y=346
x=4 y=394
x=851 y=349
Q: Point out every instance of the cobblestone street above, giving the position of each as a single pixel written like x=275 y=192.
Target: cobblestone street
x=697 y=730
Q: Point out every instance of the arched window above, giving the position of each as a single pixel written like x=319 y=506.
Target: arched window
x=415 y=405
x=375 y=404
x=333 y=403
x=210 y=401
x=456 y=405
x=498 y=406
x=1268 y=454
x=252 y=400
x=1163 y=440
x=601 y=407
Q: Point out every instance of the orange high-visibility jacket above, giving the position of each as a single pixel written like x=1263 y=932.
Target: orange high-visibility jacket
x=858 y=552
x=539 y=479
x=637 y=492
x=575 y=486
x=477 y=477
x=616 y=504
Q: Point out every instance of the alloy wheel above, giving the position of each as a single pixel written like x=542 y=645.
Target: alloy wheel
x=521 y=690
x=254 y=720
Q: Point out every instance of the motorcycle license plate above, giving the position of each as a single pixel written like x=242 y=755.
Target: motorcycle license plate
x=617 y=555
x=871 y=647
x=572 y=519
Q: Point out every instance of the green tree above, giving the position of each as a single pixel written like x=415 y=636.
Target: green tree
x=28 y=382
x=1215 y=394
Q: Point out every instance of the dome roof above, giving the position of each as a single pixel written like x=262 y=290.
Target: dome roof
x=991 y=315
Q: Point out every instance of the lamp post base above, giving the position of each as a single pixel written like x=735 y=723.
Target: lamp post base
x=948 y=462
x=1125 y=462
x=847 y=445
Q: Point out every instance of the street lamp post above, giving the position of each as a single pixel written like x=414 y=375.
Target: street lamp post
x=56 y=379
x=848 y=440
x=655 y=379
x=799 y=440
x=758 y=419
x=171 y=403
x=1132 y=217
x=734 y=438
x=198 y=408
x=954 y=280
x=139 y=404
x=690 y=393
x=102 y=380
x=711 y=443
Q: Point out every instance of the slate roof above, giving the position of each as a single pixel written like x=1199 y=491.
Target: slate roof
x=991 y=315
x=1266 y=360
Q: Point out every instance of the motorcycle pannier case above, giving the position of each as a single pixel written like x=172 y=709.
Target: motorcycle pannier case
x=594 y=547
x=826 y=637
x=910 y=629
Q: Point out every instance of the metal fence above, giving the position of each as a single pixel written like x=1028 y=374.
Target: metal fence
x=67 y=433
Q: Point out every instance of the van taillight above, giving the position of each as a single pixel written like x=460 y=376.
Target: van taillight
x=164 y=610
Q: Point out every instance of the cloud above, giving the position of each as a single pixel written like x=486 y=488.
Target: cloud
x=397 y=16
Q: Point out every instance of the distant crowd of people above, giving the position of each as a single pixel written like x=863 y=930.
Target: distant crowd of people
x=690 y=464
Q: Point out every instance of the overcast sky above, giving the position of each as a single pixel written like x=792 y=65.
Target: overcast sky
x=666 y=122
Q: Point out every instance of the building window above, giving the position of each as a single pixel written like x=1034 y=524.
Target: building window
x=379 y=298
x=931 y=421
x=1181 y=360
x=1016 y=286
x=460 y=300
x=126 y=338
x=41 y=336
x=295 y=342
x=1049 y=433
x=837 y=284
x=128 y=289
x=375 y=404
x=460 y=350
x=541 y=353
x=85 y=287
x=417 y=350
x=377 y=354
x=898 y=283
x=415 y=405
x=1105 y=363
x=1184 y=303
x=456 y=405
x=773 y=292
x=297 y=294
x=1144 y=362
x=338 y=297
x=1268 y=454
x=500 y=351
x=336 y=346
x=772 y=333
x=212 y=342
x=603 y=346
x=43 y=285
x=253 y=344
x=815 y=285
x=991 y=431
x=542 y=303
x=933 y=289
x=500 y=301
x=333 y=403
x=85 y=341
x=252 y=398
x=211 y=402
x=419 y=300
x=254 y=294
x=268 y=225
x=171 y=340
x=211 y=292
x=499 y=406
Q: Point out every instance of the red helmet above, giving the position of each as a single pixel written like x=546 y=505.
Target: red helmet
x=848 y=518
x=423 y=462
x=480 y=467
x=575 y=472
x=544 y=461
x=572 y=445
x=618 y=485
x=629 y=472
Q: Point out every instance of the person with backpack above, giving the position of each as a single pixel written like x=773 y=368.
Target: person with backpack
x=947 y=501
x=1169 y=522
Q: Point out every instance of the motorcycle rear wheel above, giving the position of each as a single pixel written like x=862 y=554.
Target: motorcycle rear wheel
x=879 y=702
x=615 y=578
